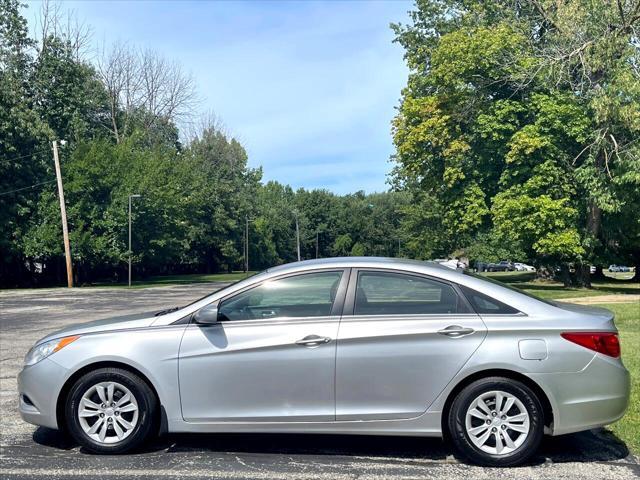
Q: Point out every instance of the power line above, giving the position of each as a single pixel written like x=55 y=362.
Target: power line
x=26 y=188
x=7 y=160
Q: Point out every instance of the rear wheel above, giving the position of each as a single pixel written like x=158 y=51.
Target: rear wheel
x=110 y=410
x=496 y=421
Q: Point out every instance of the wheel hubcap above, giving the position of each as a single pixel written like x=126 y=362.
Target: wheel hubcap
x=497 y=422
x=108 y=412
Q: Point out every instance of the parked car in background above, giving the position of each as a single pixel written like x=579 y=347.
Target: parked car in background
x=503 y=266
x=523 y=267
x=343 y=345
x=619 y=268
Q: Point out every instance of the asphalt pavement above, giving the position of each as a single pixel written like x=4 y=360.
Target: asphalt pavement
x=27 y=451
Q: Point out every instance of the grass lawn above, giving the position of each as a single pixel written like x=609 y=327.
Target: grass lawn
x=180 y=280
x=555 y=290
x=628 y=323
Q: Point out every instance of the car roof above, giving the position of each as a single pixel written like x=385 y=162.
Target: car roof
x=362 y=262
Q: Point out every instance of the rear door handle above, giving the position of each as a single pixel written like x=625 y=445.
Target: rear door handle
x=456 y=331
x=313 y=341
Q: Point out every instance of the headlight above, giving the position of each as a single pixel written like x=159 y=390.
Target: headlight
x=45 y=349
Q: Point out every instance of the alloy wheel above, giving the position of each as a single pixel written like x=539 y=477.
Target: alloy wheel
x=497 y=422
x=108 y=412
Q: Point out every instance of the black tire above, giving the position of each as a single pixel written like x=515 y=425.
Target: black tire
x=147 y=410
x=458 y=432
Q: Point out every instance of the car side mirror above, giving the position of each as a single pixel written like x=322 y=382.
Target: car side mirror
x=207 y=315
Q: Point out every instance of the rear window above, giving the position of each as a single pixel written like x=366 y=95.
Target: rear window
x=509 y=287
x=483 y=304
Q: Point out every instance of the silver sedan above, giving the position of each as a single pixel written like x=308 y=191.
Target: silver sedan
x=347 y=345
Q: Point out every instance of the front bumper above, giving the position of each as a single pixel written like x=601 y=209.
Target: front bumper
x=596 y=396
x=38 y=388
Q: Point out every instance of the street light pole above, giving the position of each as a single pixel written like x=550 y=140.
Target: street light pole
x=130 y=197
x=246 y=243
x=63 y=213
x=245 y=253
x=297 y=235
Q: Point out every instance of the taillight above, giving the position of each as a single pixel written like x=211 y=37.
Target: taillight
x=601 y=342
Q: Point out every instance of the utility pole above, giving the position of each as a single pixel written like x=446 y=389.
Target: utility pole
x=297 y=235
x=246 y=242
x=130 y=197
x=317 y=244
x=63 y=214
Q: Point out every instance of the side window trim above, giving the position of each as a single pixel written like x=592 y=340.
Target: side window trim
x=336 y=308
x=350 y=302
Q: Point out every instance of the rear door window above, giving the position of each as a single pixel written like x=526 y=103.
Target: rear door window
x=387 y=293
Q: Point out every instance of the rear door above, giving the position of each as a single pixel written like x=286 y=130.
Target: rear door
x=402 y=338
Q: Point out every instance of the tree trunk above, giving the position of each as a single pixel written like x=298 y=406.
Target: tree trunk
x=636 y=275
x=594 y=219
x=599 y=275
x=565 y=275
x=114 y=120
x=583 y=276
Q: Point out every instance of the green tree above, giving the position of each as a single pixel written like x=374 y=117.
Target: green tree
x=520 y=119
x=23 y=142
x=220 y=191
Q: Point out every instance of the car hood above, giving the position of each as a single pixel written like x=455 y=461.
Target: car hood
x=110 y=324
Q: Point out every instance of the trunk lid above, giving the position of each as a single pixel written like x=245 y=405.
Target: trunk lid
x=594 y=318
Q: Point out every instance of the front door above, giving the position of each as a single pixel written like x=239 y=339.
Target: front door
x=271 y=356
x=402 y=338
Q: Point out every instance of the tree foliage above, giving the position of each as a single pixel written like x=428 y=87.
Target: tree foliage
x=520 y=122
x=119 y=116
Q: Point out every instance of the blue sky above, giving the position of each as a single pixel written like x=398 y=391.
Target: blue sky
x=308 y=87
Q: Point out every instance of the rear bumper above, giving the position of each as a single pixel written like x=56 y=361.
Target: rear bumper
x=596 y=396
x=38 y=389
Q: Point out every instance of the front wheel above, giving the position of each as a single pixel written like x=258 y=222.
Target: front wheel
x=497 y=422
x=110 y=410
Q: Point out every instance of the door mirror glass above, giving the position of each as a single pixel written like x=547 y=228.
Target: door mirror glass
x=207 y=315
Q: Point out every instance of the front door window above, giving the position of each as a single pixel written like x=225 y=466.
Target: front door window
x=308 y=295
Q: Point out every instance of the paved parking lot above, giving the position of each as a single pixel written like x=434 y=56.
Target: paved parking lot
x=30 y=452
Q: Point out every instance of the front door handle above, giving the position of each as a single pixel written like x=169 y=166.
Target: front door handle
x=456 y=331
x=313 y=341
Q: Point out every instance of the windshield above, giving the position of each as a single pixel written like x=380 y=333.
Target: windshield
x=510 y=287
x=249 y=275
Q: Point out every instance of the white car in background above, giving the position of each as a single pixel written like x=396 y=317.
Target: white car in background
x=523 y=267
x=453 y=264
